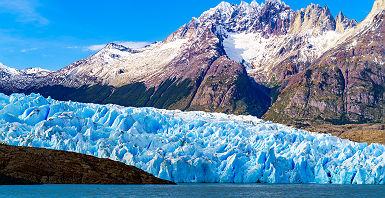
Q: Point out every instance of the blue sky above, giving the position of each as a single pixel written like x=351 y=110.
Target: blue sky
x=53 y=34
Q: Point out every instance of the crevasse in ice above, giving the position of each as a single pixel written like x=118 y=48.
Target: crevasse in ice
x=190 y=146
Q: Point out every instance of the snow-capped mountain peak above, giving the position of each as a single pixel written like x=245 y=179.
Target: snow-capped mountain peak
x=222 y=12
x=36 y=71
x=276 y=33
x=16 y=79
x=244 y=4
x=117 y=65
x=224 y=7
x=379 y=5
x=7 y=70
x=245 y=7
x=115 y=46
x=29 y=71
x=271 y=17
x=273 y=2
x=250 y=32
x=254 y=4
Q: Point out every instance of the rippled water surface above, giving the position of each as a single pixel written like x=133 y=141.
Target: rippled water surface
x=194 y=190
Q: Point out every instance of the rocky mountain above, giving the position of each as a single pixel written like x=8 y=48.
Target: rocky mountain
x=15 y=80
x=345 y=85
x=250 y=58
x=25 y=165
x=189 y=70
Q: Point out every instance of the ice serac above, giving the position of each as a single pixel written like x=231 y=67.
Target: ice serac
x=190 y=146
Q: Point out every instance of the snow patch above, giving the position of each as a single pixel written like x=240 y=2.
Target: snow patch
x=36 y=70
x=260 y=54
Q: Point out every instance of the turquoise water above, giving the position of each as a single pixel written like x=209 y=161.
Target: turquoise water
x=194 y=190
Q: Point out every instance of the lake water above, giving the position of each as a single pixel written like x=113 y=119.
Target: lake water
x=194 y=190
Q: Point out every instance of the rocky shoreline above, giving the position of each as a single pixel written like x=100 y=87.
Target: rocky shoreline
x=25 y=165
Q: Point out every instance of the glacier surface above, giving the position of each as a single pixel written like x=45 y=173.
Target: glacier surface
x=190 y=146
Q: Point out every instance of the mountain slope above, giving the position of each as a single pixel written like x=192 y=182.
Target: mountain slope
x=308 y=33
x=181 y=84
x=345 y=85
x=188 y=71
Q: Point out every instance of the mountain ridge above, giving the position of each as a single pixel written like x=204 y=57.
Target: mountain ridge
x=344 y=85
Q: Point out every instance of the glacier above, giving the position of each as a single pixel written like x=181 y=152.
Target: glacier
x=190 y=146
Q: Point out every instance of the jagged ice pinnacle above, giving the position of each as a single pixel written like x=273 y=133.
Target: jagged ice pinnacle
x=190 y=146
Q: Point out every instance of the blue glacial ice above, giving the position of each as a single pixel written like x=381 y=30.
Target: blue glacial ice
x=190 y=146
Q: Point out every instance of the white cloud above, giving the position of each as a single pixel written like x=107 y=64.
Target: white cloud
x=129 y=44
x=95 y=47
x=28 y=50
x=26 y=10
x=73 y=47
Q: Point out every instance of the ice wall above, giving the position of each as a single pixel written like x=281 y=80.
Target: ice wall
x=190 y=146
